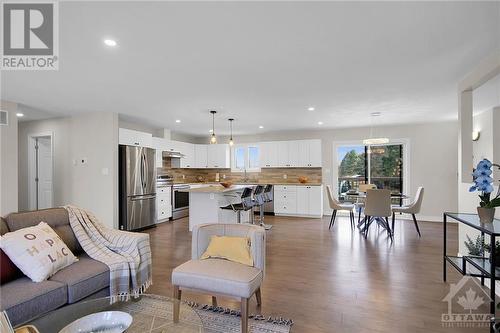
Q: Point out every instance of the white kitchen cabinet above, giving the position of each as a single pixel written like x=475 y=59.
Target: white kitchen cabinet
x=268 y=154
x=160 y=145
x=218 y=156
x=163 y=203
x=288 y=154
x=187 y=149
x=298 y=200
x=285 y=200
x=200 y=156
x=309 y=153
x=134 y=138
x=282 y=147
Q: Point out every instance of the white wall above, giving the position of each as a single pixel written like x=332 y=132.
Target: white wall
x=94 y=185
x=8 y=161
x=433 y=158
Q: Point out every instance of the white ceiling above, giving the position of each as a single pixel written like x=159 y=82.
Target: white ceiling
x=263 y=63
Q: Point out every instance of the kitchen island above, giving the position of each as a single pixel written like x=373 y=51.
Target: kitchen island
x=205 y=203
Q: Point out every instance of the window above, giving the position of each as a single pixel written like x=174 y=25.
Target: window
x=381 y=165
x=245 y=157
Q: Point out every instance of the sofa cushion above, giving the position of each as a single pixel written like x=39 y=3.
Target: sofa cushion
x=23 y=299
x=57 y=218
x=218 y=276
x=83 y=278
x=37 y=251
x=8 y=271
x=3 y=226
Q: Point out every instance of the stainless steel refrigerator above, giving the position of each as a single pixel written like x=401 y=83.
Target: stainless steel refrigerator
x=137 y=187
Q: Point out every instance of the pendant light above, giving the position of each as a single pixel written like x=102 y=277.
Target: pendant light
x=213 y=138
x=231 y=142
x=371 y=140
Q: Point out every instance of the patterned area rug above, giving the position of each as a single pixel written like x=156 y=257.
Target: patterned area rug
x=153 y=314
x=223 y=320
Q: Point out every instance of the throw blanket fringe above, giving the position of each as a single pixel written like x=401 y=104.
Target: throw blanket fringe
x=127 y=254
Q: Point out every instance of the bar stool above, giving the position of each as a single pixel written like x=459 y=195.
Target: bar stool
x=246 y=204
x=268 y=197
x=258 y=201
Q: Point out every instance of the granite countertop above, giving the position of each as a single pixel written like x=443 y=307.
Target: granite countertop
x=213 y=189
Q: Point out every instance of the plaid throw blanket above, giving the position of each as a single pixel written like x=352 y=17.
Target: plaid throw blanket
x=127 y=254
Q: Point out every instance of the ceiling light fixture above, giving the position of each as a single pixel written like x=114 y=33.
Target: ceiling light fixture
x=110 y=42
x=213 y=138
x=178 y=121
x=372 y=140
x=20 y=114
x=261 y=127
x=311 y=108
x=320 y=123
x=231 y=142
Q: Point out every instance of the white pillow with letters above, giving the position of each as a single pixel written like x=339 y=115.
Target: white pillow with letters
x=37 y=251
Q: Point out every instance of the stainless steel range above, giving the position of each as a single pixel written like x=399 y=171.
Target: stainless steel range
x=180 y=201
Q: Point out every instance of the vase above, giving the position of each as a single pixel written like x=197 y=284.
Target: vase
x=486 y=215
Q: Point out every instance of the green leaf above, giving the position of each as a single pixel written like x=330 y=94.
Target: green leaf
x=494 y=203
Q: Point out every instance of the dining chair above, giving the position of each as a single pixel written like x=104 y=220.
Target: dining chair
x=413 y=208
x=360 y=202
x=377 y=208
x=336 y=206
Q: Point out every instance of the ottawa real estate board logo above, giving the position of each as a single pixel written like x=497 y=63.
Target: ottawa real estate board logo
x=30 y=35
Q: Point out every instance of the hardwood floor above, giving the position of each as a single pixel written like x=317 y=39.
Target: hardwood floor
x=335 y=280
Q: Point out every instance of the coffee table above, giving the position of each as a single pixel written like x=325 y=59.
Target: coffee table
x=150 y=313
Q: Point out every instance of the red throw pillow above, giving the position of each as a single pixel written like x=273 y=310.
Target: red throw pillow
x=8 y=271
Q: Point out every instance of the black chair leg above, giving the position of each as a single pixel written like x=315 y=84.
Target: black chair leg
x=359 y=215
x=388 y=228
x=416 y=224
x=393 y=219
x=351 y=216
x=332 y=220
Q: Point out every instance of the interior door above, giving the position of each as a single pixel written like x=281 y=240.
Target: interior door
x=45 y=181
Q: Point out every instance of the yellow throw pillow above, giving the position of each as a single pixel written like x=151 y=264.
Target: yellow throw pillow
x=235 y=249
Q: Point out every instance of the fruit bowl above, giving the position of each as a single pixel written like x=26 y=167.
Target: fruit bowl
x=303 y=179
x=226 y=184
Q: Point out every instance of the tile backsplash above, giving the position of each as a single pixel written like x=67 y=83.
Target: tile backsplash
x=266 y=175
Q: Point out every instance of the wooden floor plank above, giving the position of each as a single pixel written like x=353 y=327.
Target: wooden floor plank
x=335 y=280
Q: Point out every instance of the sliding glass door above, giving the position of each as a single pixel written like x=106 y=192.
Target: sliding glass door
x=381 y=165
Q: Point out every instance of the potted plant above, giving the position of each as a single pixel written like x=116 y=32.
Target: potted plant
x=487 y=247
x=483 y=183
x=475 y=247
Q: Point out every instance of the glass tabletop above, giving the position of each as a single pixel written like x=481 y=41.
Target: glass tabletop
x=473 y=221
x=150 y=313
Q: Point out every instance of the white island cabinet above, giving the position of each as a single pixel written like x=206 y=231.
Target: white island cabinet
x=205 y=203
x=298 y=200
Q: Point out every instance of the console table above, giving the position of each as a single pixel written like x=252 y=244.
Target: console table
x=482 y=267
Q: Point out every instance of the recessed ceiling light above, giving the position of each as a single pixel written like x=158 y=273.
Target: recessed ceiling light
x=261 y=127
x=311 y=108
x=178 y=121
x=376 y=114
x=320 y=123
x=110 y=42
x=20 y=114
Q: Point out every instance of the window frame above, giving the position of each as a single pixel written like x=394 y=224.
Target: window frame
x=247 y=147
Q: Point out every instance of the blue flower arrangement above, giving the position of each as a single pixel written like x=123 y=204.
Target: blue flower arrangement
x=483 y=183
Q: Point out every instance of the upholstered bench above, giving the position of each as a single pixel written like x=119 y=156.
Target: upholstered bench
x=220 y=277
